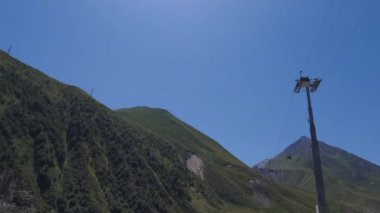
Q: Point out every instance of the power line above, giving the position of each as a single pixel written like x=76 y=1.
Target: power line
x=289 y=117
x=300 y=121
x=332 y=26
x=317 y=35
x=290 y=110
x=360 y=20
x=285 y=121
x=284 y=124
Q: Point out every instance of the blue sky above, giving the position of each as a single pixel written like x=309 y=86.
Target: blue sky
x=226 y=67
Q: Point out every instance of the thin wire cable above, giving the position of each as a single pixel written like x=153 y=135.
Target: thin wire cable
x=358 y=23
x=304 y=66
x=284 y=124
x=317 y=35
x=360 y=20
x=332 y=26
x=296 y=106
x=289 y=114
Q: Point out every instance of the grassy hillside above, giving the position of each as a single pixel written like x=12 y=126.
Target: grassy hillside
x=224 y=174
x=349 y=179
x=62 y=151
x=167 y=126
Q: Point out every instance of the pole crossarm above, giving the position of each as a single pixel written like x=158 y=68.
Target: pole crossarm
x=306 y=82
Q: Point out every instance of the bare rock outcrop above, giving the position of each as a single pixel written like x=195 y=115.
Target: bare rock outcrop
x=195 y=164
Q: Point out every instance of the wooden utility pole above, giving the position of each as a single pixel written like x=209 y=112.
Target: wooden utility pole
x=311 y=85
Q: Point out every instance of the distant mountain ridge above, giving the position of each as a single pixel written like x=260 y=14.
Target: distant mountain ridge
x=348 y=178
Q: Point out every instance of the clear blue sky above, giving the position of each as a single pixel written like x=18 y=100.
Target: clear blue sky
x=227 y=67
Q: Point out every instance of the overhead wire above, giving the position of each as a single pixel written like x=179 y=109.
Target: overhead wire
x=354 y=29
x=283 y=124
x=312 y=70
x=330 y=30
x=332 y=26
x=317 y=35
x=289 y=118
x=290 y=110
x=363 y=16
x=316 y=38
x=365 y=13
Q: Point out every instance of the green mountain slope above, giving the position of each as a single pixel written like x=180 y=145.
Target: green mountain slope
x=223 y=173
x=62 y=151
x=167 y=126
x=349 y=179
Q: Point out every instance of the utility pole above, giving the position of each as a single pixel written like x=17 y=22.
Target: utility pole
x=311 y=85
x=9 y=49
